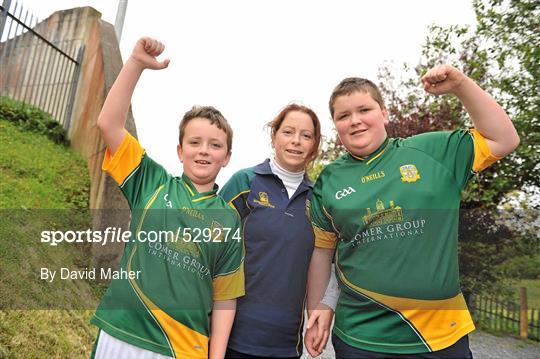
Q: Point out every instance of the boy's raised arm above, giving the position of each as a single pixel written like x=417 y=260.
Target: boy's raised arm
x=488 y=117
x=113 y=115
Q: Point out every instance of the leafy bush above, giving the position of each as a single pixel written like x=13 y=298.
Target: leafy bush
x=524 y=267
x=31 y=118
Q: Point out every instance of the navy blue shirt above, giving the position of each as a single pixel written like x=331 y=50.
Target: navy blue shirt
x=279 y=241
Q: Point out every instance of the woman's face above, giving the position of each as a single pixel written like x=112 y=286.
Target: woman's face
x=294 y=141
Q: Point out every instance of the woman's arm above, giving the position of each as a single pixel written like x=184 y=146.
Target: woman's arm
x=318 y=278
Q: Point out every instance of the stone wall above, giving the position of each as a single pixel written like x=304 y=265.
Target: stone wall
x=100 y=65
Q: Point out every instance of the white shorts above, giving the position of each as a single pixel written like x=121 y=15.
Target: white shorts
x=108 y=347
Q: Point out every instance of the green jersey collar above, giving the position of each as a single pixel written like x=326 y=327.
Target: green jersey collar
x=376 y=154
x=193 y=190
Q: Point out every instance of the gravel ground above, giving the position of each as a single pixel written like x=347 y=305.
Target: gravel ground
x=483 y=346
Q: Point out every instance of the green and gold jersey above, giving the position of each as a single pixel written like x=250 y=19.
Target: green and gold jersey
x=393 y=219
x=186 y=250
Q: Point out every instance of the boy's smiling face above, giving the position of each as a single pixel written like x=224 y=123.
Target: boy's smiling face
x=203 y=152
x=360 y=121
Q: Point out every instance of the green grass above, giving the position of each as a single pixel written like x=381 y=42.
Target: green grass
x=533 y=291
x=496 y=324
x=37 y=173
x=44 y=186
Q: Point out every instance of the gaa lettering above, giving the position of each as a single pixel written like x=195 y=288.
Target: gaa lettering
x=344 y=192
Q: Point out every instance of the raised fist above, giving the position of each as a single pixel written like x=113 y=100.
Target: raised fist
x=146 y=51
x=443 y=79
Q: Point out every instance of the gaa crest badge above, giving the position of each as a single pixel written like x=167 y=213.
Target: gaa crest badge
x=409 y=173
x=217 y=232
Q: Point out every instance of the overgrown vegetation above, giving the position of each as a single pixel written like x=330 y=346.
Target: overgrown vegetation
x=31 y=118
x=45 y=186
x=501 y=54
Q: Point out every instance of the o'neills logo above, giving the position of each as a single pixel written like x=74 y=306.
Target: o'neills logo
x=373 y=177
x=387 y=223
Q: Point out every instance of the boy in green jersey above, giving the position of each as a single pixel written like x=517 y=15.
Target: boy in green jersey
x=188 y=281
x=389 y=209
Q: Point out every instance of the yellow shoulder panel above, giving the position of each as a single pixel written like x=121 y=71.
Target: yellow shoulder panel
x=324 y=239
x=483 y=158
x=125 y=160
x=230 y=286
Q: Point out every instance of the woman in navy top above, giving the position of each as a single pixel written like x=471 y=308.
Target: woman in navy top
x=271 y=199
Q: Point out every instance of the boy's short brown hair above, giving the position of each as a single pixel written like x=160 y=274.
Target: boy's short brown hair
x=355 y=84
x=211 y=114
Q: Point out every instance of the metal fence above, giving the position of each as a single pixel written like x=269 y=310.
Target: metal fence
x=34 y=69
x=506 y=317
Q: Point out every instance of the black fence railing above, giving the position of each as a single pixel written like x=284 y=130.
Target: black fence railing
x=37 y=69
x=506 y=317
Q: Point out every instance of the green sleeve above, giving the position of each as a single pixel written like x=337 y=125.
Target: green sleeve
x=228 y=281
x=236 y=191
x=321 y=219
x=452 y=149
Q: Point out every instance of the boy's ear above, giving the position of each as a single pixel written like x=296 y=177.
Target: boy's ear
x=227 y=159
x=385 y=115
x=179 y=152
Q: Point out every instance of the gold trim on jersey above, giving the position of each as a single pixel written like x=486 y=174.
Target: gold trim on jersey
x=188 y=188
x=235 y=197
x=324 y=239
x=360 y=158
x=182 y=339
x=440 y=323
x=301 y=326
x=231 y=285
x=125 y=160
x=379 y=155
x=331 y=221
x=203 y=198
x=192 y=191
x=483 y=158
